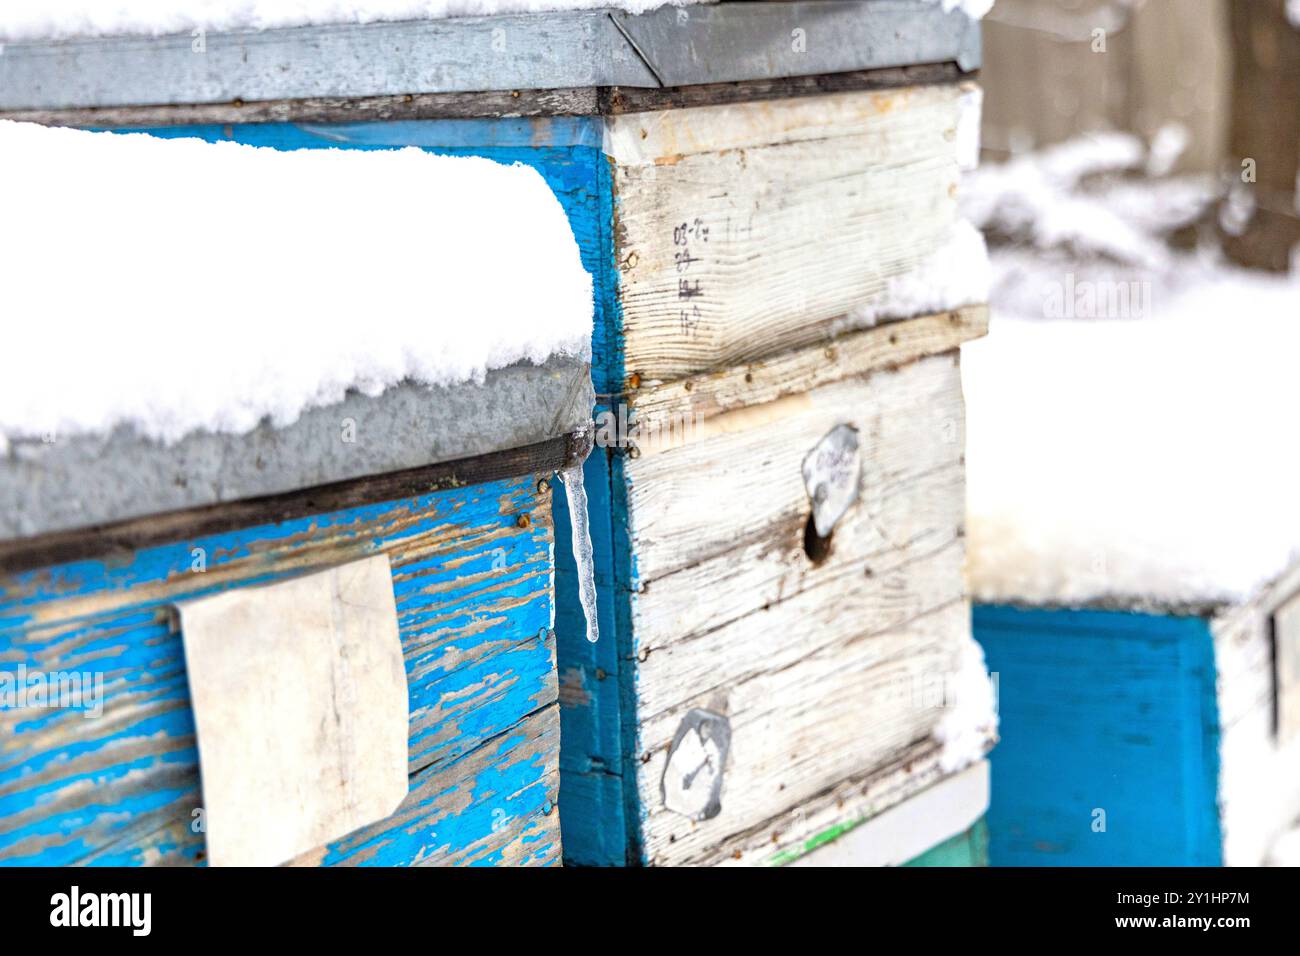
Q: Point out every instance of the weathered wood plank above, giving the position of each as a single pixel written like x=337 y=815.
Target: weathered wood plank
x=675 y=412
x=472 y=583
x=492 y=806
x=591 y=783
x=707 y=497
x=932 y=828
x=746 y=230
x=630 y=99
x=844 y=713
x=730 y=613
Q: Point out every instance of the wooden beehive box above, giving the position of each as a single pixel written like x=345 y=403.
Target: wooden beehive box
x=1136 y=599
x=1151 y=737
x=744 y=236
x=735 y=207
x=89 y=579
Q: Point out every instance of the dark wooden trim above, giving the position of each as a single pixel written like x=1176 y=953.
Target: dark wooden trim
x=625 y=99
x=123 y=538
x=415 y=106
x=588 y=101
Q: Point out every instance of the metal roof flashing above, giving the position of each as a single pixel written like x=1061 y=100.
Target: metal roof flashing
x=667 y=47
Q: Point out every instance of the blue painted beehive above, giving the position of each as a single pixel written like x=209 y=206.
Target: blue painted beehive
x=746 y=214
x=420 y=511
x=472 y=581
x=1137 y=603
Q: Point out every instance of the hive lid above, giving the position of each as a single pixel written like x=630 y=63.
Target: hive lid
x=410 y=439
x=666 y=47
x=314 y=317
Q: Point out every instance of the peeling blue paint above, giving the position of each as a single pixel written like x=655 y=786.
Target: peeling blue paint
x=473 y=602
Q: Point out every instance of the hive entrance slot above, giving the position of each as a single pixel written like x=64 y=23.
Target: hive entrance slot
x=817 y=548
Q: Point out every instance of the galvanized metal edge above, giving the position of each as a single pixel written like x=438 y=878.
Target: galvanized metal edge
x=670 y=46
x=66 y=483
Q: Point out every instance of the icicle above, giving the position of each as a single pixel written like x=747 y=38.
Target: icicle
x=576 y=493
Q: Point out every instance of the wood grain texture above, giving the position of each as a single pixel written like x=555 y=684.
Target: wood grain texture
x=695 y=399
x=473 y=592
x=815 y=665
x=567 y=153
x=750 y=229
x=912 y=830
x=495 y=806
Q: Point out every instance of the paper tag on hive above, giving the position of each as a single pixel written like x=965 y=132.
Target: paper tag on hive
x=830 y=474
x=301 y=711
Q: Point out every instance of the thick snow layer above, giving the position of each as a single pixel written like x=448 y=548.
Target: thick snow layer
x=1148 y=460
x=57 y=19
x=176 y=285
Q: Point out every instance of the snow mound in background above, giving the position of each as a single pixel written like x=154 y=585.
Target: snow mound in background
x=58 y=19
x=175 y=285
x=1150 y=459
x=975 y=9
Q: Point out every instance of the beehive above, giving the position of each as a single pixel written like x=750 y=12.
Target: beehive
x=1144 y=737
x=746 y=214
x=470 y=544
x=744 y=237
x=1135 y=595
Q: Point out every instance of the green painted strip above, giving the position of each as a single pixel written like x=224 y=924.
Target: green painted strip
x=820 y=839
x=969 y=848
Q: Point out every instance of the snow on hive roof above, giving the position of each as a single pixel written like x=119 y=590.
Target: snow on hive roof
x=177 y=285
x=57 y=19
x=1143 y=461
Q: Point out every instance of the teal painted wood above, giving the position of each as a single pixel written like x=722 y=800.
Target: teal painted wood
x=1104 y=711
x=969 y=848
x=590 y=758
x=597 y=798
x=473 y=593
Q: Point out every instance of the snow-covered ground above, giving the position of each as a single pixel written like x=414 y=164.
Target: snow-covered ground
x=58 y=19
x=1132 y=429
x=175 y=285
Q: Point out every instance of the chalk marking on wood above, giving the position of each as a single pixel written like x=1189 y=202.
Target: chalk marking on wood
x=797 y=211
